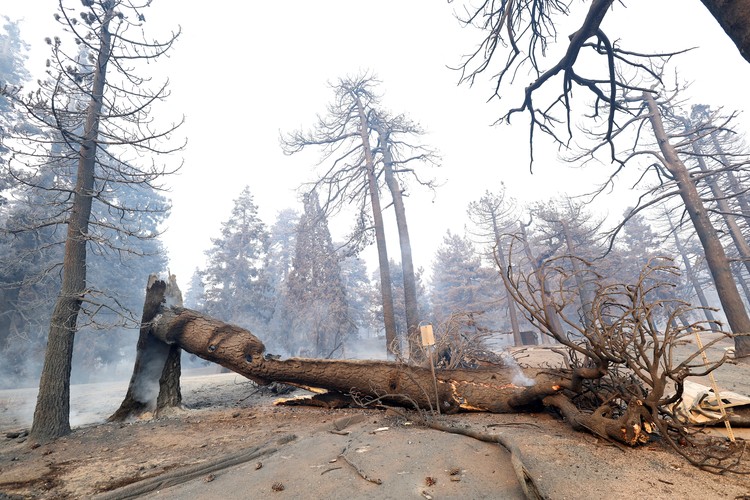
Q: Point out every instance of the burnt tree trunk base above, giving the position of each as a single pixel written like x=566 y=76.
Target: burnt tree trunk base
x=155 y=383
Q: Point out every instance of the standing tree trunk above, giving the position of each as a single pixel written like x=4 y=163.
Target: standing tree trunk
x=725 y=210
x=170 y=395
x=407 y=264
x=585 y=294
x=552 y=320
x=692 y=277
x=739 y=192
x=52 y=412
x=500 y=256
x=737 y=268
x=389 y=316
x=731 y=302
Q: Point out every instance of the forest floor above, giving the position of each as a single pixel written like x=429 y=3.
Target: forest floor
x=233 y=442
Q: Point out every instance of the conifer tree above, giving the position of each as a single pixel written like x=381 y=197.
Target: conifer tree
x=462 y=284
x=315 y=290
x=236 y=281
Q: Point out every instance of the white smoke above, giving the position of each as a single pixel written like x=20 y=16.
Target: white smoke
x=519 y=377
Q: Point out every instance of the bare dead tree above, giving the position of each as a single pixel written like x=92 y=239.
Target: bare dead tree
x=494 y=215
x=400 y=155
x=645 y=136
x=725 y=146
x=689 y=272
x=625 y=366
x=350 y=175
x=702 y=123
x=519 y=34
x=93 y=121
x=524 y=30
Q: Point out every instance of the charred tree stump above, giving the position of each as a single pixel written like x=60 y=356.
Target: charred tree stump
x=156 y=373
x=170 y=395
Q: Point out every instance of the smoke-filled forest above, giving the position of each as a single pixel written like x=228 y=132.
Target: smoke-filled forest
x=89 y=145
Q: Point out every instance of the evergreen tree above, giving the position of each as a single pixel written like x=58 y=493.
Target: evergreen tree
x=238 y=288
x=33 y=252
x=196 y=291
x=494 y=220
x=359 y=300
x=88 y=116
x=637 y=244
x=315 y=290
x=283 y=237
x=282 y=242
x=566 y=228
x=461 y=284
x=13 y=73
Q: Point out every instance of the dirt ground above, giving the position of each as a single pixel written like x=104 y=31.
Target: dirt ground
x=233 y=442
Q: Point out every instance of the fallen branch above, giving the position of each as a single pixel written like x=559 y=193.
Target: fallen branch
x=362 y=473
x=185 y=474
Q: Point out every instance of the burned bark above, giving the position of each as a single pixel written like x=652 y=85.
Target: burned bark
x=734 y=18
x=385 y=381
x=152 y=359
x=170 y=396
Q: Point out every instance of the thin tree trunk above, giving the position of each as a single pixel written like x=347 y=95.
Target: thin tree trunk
x=731 y=302
x=52 y=412
x=549 y=310
x=739 y=191
x=389 y=317
x=8 y=311
x=584 y=294
x=411 y=306
x=692 y=277
x=726 y=212
x=741 y=280
x=500 y=255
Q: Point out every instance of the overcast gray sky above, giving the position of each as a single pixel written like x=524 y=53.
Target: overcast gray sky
x=244 y=71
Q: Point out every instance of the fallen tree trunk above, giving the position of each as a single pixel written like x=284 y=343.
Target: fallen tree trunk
x=497 y=388
x=387 y=381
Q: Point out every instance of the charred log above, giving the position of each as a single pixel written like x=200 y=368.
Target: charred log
x=385 y=381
